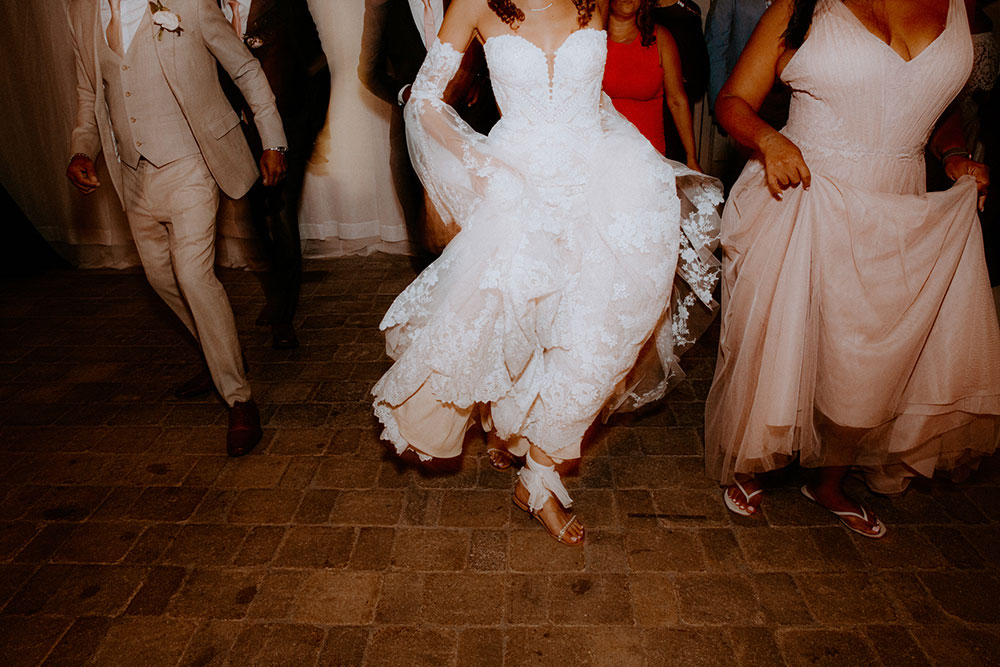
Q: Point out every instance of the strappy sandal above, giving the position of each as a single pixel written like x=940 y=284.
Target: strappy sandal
x=731 y=504
x=502 y=461
x=543 y=482
x=878 y=526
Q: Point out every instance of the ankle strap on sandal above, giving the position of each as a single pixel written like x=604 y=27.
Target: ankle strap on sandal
x=542 y=482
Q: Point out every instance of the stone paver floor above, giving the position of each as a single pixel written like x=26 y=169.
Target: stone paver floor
x=128 y=537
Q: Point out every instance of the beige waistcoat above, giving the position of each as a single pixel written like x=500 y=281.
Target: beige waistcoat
x=145 y=117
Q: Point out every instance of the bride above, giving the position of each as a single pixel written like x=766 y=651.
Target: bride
x=583 y=266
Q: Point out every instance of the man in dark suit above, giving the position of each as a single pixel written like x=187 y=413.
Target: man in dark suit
x=393 y=46
x=282 y=36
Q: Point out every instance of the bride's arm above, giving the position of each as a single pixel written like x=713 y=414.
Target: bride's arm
x=460 y=23
x=744 y=92
x=452 y=160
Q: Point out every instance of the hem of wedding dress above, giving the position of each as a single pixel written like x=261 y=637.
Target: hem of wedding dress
x=390 y=432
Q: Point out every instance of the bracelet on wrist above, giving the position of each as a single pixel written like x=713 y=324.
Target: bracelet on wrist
x=76 y=155
x=955 y=151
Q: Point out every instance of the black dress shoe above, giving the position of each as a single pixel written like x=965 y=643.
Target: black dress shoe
x=283 y=336
x=200 y=385
x=244 y=428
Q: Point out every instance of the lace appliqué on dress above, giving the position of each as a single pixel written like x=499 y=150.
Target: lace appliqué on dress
x=583 y=266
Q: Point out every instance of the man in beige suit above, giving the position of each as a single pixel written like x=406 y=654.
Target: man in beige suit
x=149 y=98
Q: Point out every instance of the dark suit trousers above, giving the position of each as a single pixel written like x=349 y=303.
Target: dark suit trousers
x=274 y=213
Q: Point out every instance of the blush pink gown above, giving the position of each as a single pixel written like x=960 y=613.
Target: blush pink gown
x=858 y=325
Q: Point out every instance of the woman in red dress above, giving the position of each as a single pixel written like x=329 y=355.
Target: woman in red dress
x=644 y=65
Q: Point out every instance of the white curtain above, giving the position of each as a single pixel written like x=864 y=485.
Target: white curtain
x=348 y=206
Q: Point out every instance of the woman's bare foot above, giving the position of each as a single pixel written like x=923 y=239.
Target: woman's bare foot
x=560 y=524
x=744 y=497
x=853 y=515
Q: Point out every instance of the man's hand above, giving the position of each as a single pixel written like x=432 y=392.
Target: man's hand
x=82 y=174
x=272 y=167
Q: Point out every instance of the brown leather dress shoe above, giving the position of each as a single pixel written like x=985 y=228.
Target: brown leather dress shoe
x=200 y=385
x=283 y=336
x=244 y=428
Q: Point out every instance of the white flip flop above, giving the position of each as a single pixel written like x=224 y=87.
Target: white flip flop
x=879 y=526
x=731 y=504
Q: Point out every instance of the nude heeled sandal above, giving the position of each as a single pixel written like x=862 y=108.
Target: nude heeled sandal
x=543 y=482
x=502 y=460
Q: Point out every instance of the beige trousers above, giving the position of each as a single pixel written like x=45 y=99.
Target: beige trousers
x=171 y=211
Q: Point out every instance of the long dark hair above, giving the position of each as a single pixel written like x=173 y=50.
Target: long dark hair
x=644 y=22
x=798 y=25
x=512 y=15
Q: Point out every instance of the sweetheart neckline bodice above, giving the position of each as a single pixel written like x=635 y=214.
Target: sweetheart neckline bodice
x=547 y=54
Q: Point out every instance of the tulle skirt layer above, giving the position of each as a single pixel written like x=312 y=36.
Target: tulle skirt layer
x=564 y=293
x=858 y=330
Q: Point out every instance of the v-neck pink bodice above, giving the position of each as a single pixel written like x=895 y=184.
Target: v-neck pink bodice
x=861 y=112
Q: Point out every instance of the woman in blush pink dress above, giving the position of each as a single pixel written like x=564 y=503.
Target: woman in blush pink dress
x=858 y=328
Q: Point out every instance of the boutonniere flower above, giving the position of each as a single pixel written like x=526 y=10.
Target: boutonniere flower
x=165 y=19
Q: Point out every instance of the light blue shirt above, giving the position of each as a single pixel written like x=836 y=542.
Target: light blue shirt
x=728 y=28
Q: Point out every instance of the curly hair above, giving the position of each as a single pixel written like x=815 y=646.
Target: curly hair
x=513 y=16
x=508 y=12
x=584 y=11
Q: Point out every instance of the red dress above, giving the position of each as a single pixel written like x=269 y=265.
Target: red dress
x=633 y=79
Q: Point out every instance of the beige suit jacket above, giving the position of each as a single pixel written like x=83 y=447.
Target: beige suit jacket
x=188 y=60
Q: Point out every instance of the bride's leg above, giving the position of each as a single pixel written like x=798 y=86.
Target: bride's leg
x=552 y=514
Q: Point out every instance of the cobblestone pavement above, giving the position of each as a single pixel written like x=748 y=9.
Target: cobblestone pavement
x=129 y=538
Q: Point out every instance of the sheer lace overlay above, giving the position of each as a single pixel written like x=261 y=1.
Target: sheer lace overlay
x=583 y=267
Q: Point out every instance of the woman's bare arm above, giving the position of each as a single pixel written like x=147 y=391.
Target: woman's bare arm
x=677 y=101
x=460 y=23
x=742 y=95
x=948 y=145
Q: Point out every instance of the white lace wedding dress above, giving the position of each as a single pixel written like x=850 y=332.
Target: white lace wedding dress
x=562 y=295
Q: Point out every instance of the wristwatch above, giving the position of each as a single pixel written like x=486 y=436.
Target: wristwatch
x=280 y=149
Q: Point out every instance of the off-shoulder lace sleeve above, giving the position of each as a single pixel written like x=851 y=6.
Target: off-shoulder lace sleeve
x=451 y=159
